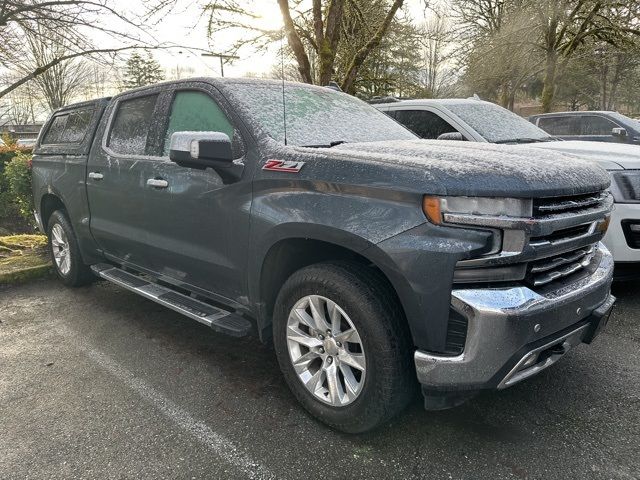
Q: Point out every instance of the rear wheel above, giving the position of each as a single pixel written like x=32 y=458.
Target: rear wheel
x=65 y=252
x=343 y=346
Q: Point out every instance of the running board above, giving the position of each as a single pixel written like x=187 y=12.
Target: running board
x=219 y=320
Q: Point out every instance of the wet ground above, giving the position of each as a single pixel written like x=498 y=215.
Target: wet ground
x=100 y=383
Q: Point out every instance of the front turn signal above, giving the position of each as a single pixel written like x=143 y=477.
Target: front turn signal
x=432 y=209
x=603 y=225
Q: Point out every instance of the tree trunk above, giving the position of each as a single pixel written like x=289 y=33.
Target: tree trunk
x=348 y=83
x=304 y=67
x=504 y=95
x=615 y=82
x=549 y=88
x=328 y=42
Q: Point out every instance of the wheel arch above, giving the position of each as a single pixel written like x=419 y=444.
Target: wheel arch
x=49 y=203
x=286 y=255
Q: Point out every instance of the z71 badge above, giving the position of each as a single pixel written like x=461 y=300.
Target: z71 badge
x=283 y=166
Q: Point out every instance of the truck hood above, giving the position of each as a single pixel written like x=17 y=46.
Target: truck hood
x=471 y=169
x=611 y=156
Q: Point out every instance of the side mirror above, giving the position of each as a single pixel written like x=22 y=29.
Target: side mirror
x=203 y=150
x=619 y=132
x=452 y=136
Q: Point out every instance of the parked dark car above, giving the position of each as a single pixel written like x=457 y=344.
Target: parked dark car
x=590 y=126
x=369 y=258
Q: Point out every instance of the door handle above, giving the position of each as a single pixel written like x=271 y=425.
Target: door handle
x=157 y=183
x=96 y=175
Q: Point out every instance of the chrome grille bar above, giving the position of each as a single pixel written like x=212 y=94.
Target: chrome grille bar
x=559 y=204
x=556 y=262
x=565 y=270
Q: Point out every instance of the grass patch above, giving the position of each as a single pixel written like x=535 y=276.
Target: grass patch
x=23 y=257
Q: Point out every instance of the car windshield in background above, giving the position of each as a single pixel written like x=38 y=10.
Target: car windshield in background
x=316 y=116
x=497 y=124
x=629 y=121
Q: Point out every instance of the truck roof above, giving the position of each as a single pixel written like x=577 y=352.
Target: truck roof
x=85 y=103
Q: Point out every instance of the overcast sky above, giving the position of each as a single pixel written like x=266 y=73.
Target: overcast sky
x=184 y=27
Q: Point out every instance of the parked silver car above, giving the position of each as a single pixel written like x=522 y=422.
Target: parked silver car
x=480 y=121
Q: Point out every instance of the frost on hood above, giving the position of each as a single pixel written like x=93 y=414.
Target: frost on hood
x=480 y=165
x=314 y=115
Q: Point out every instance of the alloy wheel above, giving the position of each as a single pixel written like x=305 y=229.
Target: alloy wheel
x=326 y=350
x=60 y=249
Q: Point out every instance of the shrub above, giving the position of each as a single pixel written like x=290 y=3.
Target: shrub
x=8 y=140
x=15 y=190
x=18 y=175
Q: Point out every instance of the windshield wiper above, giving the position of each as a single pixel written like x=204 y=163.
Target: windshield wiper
x=527 y=140
x=328 y=145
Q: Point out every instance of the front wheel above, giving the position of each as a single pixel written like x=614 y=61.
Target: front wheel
x=343 y=346
x=65 y=252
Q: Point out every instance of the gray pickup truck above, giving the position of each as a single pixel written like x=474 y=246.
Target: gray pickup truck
x=369 y=258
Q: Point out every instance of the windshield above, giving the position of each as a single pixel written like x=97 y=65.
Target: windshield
x=316 y=116
x=496 y=124
x=629 y=121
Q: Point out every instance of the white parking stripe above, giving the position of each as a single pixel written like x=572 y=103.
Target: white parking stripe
x=216 y=442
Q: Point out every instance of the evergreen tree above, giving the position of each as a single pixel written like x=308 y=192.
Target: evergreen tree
x=140 y=71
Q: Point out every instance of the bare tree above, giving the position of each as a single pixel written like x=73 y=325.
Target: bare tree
x=555 y=30
x=75 y=21
x=565 y=26
x=63 y=81
x=23 y=106
x=436 y=39
x=314 y=35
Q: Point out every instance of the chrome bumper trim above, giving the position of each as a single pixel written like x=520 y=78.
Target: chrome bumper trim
x=566 y=342
x=502 y=321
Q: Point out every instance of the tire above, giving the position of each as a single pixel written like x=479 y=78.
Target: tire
x=65 y=253
x=386 y=384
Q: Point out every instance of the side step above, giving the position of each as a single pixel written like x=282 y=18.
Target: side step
x=219 y=320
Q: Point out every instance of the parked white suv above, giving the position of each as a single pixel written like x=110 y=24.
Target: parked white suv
x=480 y=121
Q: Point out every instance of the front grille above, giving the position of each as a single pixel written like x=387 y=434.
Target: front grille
x=546 y=270
x=456 y=333
x=561 y=235
x=557 y=240
x=557 y=205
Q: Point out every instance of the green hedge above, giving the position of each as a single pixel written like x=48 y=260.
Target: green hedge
x=16 y=203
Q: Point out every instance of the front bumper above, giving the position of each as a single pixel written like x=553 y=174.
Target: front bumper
x=506 y=325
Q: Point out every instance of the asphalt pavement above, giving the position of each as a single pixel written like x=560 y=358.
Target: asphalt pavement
x=100 y=383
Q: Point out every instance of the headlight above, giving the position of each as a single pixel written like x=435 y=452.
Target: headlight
x=625 y=186
x=439 y=211
x=437 y=208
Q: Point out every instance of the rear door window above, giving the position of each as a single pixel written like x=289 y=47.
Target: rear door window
x=193 y=111
x=424 y=123
x=55 y=130
x=77 y=125
x=595 y=125
x=130 y=128
x=69 y=127
x=558 y=125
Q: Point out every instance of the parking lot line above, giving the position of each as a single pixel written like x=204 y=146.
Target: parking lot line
x=219 y=444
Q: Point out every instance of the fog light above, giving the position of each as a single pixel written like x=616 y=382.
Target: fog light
x=635 y=227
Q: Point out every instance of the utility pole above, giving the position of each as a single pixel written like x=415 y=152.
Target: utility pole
x=222 y=58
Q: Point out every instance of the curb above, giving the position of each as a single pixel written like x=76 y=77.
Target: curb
x=24 y=275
